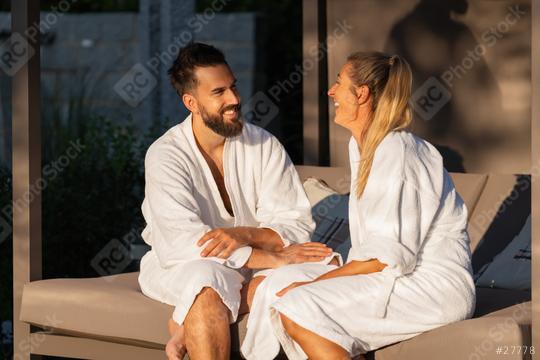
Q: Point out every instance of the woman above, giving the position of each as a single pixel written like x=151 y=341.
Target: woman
x=409 y=268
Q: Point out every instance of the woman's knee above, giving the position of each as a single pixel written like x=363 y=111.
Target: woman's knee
x=289 y=325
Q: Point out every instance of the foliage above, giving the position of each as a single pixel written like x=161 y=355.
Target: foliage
x=96 y=197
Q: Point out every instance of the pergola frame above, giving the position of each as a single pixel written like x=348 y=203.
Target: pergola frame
x=27 y=264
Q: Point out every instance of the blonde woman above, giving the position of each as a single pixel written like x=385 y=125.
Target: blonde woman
x=409 y=267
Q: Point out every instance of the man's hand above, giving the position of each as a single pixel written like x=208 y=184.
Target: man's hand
x=301 y=253
x=223 y=241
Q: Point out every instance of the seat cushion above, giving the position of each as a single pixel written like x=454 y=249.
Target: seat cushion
x=111 y=306
x=470 y=339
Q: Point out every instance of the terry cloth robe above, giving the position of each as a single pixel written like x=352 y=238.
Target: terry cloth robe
x=410 y=218
x=182 y=203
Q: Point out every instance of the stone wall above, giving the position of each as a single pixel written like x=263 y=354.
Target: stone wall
x=473 y=56
x=85 y=57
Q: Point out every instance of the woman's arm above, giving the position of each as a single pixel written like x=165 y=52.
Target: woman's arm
x=352 y=268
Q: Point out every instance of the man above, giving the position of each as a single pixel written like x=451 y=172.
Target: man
x=222 y=197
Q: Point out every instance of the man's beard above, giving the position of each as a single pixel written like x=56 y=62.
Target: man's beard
x=219 y=125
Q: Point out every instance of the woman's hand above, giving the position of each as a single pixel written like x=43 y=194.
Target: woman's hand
x=292 y=286
x=302 y=253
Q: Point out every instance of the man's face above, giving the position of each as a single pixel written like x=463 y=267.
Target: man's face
x=218 y=100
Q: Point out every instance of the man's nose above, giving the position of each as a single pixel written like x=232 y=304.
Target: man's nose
x=232 y=98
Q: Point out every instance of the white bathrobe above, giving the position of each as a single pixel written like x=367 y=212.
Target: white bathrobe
x=410 y=218
x=182 y=203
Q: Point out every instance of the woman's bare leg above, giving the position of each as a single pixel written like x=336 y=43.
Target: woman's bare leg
x=247 y=293
x=316 y=347
x=176 y=346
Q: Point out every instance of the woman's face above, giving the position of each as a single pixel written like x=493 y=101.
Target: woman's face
x=345 y=101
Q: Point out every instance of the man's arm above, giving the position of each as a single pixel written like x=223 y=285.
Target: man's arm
x=222 y=242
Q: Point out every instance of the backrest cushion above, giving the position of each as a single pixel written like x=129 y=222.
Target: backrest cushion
x=499 y=215
x=330 y=212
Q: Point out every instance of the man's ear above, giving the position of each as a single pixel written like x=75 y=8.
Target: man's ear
x=190 y=103
x=362 y=94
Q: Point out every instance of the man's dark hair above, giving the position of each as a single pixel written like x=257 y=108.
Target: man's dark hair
x=182 y=71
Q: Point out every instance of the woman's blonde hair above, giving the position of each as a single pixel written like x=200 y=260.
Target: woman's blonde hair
x=389 y=79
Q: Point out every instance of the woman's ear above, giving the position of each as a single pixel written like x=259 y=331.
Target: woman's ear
x=190 y=103
x=362 y=94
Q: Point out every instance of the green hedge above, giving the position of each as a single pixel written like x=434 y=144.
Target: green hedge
x=93 y=187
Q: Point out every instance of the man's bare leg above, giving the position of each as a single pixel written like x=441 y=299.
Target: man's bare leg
x=176 y=346
x=316 y=347
x=206 y=327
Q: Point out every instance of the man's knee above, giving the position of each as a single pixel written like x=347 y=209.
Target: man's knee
x=211 y=272
x=209 y=297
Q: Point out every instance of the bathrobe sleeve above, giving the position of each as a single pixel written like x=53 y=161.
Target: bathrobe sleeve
x=173 y=214
x=396 y=218
x=282 y=204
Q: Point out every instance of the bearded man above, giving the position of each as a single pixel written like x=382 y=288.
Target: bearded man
x=221 y=198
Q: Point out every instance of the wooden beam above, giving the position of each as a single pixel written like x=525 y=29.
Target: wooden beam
x=84 y=348
x=25 y=72
x=535 y=173
x=315 y=83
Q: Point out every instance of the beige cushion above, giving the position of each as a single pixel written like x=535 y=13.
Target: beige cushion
x=469 y=187
x=317 y=190
x=113 y=308
x=469 y=339
x=110 y=306
x=337 y=178
x=506 y=199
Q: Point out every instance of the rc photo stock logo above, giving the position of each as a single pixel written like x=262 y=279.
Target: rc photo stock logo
x=112 y=259
x=135 y=85
x=259 y=110
x=15 y=53
x=429 y=98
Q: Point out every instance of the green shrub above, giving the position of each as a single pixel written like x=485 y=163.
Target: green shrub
x=96 y=197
